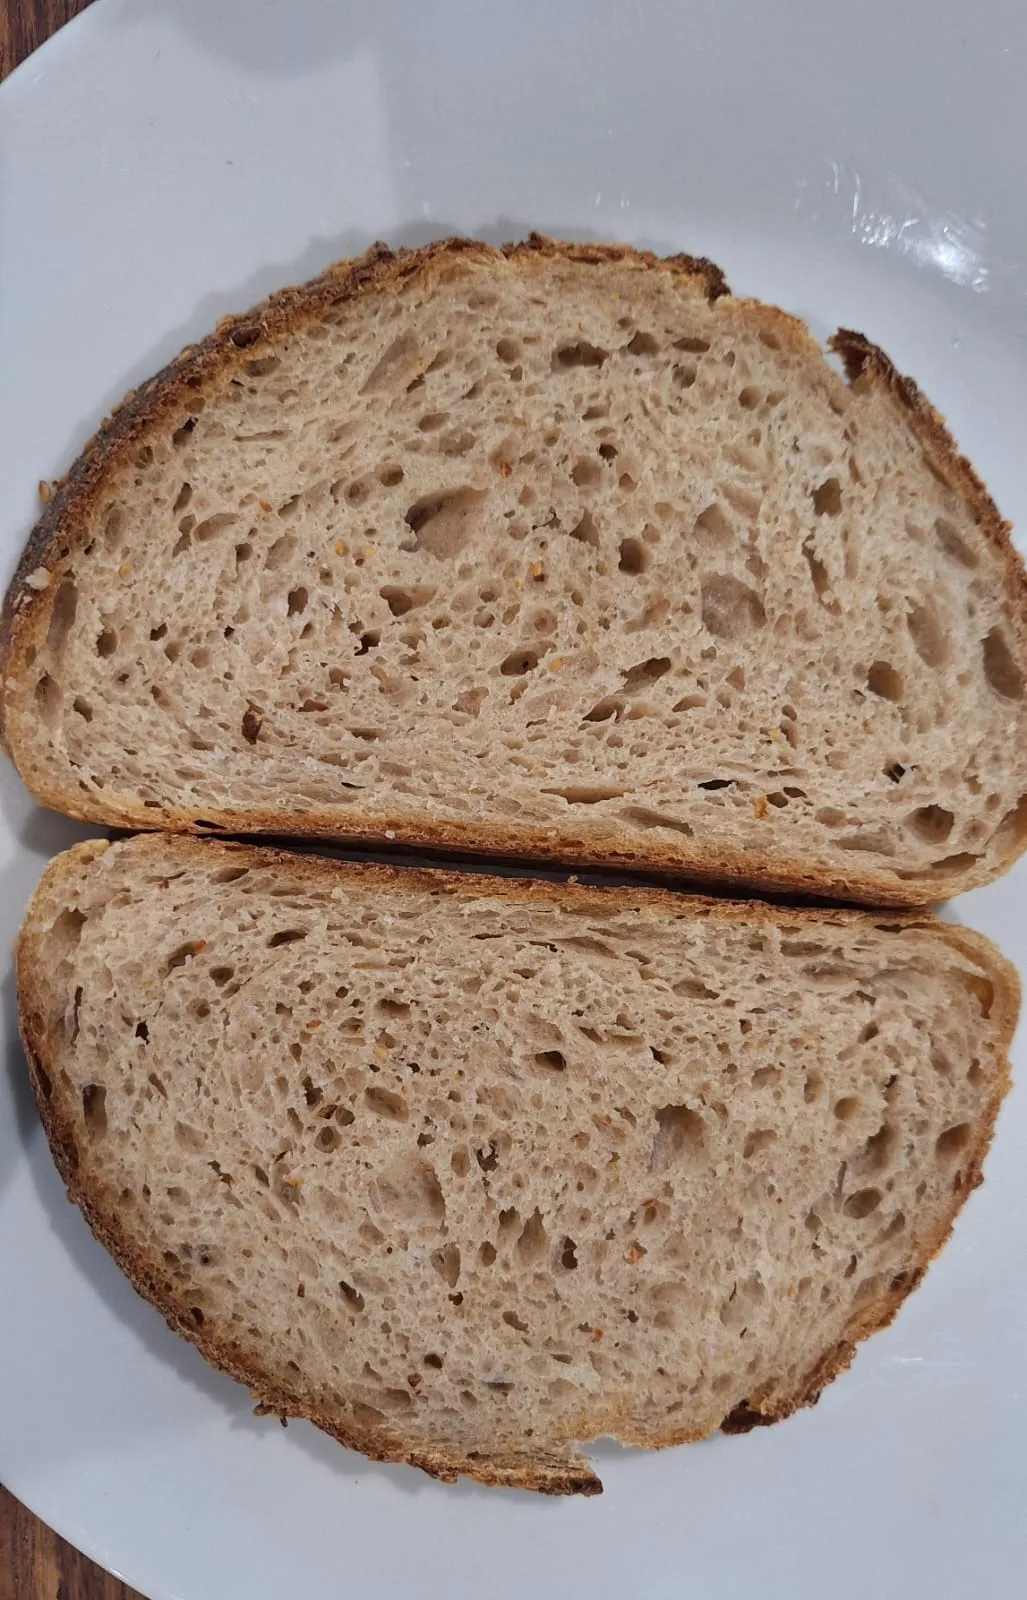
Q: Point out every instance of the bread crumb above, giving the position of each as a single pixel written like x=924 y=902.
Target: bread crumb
x=44 y=490
x=390 y=833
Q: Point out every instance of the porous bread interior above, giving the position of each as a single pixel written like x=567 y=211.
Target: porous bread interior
x=561 y=549
x=480 y=1170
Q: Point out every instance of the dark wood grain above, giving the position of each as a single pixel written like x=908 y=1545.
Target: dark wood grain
x=34 y=1563
x=24 y=24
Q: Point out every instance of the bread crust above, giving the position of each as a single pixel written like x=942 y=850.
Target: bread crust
x=61 y=531
x=545 y=1473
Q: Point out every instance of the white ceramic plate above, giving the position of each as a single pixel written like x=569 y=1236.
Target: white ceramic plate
x=163 y=163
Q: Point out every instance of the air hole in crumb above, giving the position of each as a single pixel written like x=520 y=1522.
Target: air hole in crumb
x=533 y=1242
x=585 y=530
x=297 y=601
x=928 y=636
x=730 y=609
x=210 y=527
x=586 y=473
x=950 y=1144
x=106 y=643
x=862 y=1202
x=581 y=354
x=715 y=522
x=932 y=824
x=680 y=1135
x=645 y=672
x=518 y=662
x=488 y=1160
x=354 y=1299
x=286 y=936
x=447 y=1263
x=884 y=681
x=635 y=557
x=1000 y=668
x=954 y=546
x=443 y=523
x=827 y=498
x=846 y=1108
x=400 y=599
x=94 y=1109
x=385 y=1103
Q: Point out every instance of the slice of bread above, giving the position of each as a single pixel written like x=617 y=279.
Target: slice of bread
x=560 y=552
x=467 y=1170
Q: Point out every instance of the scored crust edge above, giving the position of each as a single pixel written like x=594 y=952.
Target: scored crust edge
x=60 y=530
x=556 y=1473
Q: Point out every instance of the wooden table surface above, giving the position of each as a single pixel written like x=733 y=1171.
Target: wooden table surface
x=34 y=1563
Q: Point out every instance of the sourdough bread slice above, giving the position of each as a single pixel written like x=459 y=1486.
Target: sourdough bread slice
x=560 y=552
x=467 y=1170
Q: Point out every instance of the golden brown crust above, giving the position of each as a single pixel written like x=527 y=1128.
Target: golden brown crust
x=61 y=529
x=865 y=362
x=548 y=1474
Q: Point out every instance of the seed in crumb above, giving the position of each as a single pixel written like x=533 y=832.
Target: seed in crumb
x=340 y=547
x=759 y=806
x=125 y=570
x=44 y=490
x=556 y=664
x=264 y=506
x=390 y=833
x=504 y=468
x=40 y=579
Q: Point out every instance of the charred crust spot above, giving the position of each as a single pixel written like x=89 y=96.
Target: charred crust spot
x=742 y=1418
